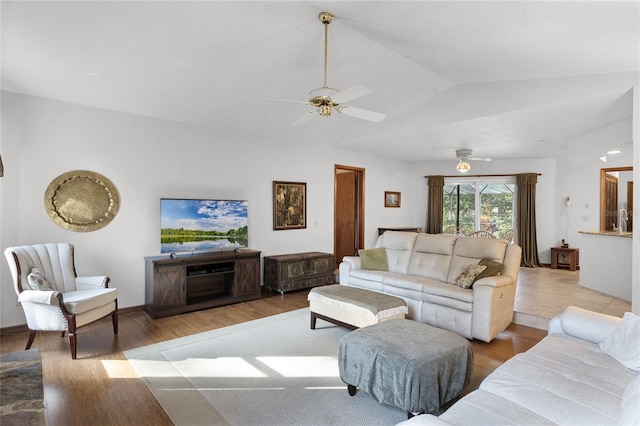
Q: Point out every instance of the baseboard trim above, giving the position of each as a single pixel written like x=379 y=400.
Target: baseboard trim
x=22 y=328
x=13 y=330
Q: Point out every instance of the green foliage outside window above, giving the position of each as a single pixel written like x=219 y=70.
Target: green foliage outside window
x=495 y=208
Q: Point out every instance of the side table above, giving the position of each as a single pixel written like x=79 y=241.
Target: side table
x=568 y=257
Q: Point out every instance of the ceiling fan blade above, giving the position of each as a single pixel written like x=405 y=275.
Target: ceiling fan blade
x=284 y=100
x=361 y=113
x=481 y=159
x=351 y=93
x=305 y=118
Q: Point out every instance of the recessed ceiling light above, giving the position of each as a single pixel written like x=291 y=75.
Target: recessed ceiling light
x=614 y=151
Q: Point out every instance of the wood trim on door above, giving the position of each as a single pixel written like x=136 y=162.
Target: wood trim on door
x=606 y=221
x=357 y=210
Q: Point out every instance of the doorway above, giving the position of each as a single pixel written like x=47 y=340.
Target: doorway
x=348 y=224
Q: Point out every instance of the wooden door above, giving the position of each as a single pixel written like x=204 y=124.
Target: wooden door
x=630 y=205
x=348 y=235
x=611 y=207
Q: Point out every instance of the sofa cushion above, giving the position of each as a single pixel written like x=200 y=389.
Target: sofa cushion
x=81 y=301
x=374 y=259
x=483 y=408
x=410 y=282
x=448 y=291
x=564 y=379
x=623 y=344
x=368 y=275
x=371 y=280
x=431 y=256
x=470 y=250
x=399 y=246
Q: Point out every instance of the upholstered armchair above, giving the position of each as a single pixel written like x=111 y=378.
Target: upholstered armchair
x=53 y=297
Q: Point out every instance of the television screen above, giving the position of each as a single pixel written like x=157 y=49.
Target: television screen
x=200 y=225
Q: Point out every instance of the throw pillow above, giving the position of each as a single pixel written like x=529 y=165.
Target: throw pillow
x=493 y=268
x=37 y=280
x=374 y=259
x=622 y=344
x=469 y=275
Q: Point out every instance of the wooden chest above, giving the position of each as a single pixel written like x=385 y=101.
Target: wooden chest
x=296 y=271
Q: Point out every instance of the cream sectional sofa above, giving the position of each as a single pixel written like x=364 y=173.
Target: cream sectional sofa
x=422 y=269
x=584 y=372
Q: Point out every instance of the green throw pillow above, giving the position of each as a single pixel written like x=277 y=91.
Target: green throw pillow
x=493 y=268
x=374 y=259
x=469 y=275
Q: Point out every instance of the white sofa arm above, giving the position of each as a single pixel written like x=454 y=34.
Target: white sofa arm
x=583 y=324
x=90 y=283
x=348 y=263
x=353 y=261
x=38 y=296
x=494 y=281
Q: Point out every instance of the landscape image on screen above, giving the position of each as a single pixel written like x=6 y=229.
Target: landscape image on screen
x=202 y=225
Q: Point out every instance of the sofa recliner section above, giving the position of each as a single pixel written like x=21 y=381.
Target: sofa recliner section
x=422 y=269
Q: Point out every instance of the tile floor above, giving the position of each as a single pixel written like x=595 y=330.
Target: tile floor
x=543 y=293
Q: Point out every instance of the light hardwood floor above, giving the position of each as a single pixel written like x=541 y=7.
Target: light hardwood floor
x=100 y=388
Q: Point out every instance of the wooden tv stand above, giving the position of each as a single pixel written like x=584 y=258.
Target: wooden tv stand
x=197 y=281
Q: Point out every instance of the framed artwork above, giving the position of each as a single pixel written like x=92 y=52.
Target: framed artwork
x=289 y=205
x=391 y=199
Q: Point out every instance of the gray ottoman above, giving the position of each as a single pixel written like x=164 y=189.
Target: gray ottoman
x=406 y=364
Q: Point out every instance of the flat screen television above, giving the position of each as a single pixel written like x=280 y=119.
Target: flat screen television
x=191 y=225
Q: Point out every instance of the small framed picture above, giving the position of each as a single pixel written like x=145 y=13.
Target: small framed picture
x=289 y=205
x=391 y=199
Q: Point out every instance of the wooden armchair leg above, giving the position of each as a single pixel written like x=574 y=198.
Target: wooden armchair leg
x=32 y=335
x=71 y=328
x=74 y=344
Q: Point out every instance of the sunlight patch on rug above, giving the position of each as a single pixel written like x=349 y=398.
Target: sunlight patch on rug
x=272 y=371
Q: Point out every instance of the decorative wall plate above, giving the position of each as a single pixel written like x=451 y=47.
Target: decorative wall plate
x=81 y=201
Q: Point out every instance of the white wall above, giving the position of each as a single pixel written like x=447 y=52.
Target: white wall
x=147 y=159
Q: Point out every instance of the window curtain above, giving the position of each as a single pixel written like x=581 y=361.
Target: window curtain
x=434 y=211
x=526 y=216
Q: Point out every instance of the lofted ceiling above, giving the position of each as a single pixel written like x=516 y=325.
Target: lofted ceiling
x=508 y=79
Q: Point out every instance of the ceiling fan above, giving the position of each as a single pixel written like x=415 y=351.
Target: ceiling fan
x=325 y=100
x=464 y=155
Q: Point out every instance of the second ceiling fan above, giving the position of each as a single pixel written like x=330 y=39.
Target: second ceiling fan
x=325 y=100
x=464 y=155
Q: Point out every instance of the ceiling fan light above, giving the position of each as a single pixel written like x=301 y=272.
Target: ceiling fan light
x=325 y=110
x=463 y=166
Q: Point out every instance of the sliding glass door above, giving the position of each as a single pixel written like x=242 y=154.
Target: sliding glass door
x=479 y=205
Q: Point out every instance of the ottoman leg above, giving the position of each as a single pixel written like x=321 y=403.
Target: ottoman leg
x=351 y=389
x=313 y=320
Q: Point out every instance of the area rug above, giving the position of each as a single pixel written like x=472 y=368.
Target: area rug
x=271 y=371
x=21 y=389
